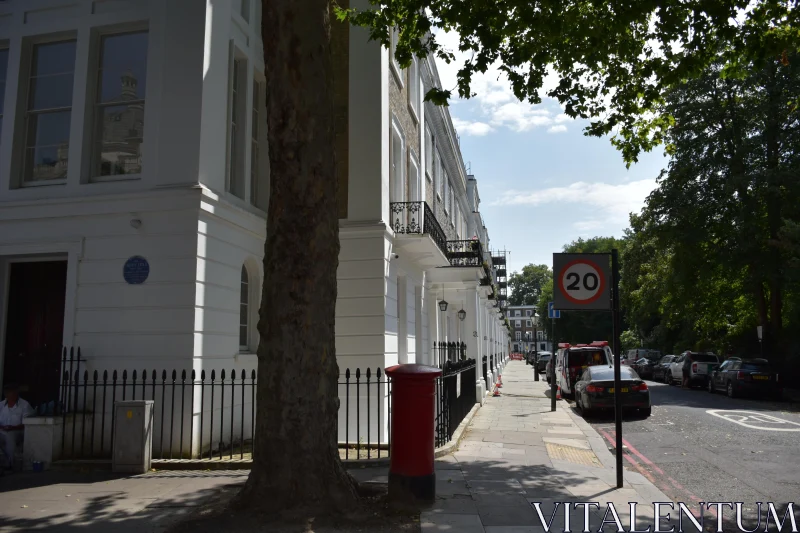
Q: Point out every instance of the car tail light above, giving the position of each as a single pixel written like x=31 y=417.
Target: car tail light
x=640 y=387
x=694 y=367
x=741 y=375
x=593 y=388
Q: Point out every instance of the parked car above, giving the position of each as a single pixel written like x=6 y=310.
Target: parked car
x=699 y=366
x=595 y=390
x=740 y=377
x=571 y=361
x=644 y=367
x=660 y=369
x=544 y=357
x=548 y=368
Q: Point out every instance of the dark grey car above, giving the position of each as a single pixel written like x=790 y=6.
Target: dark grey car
x=660 y=369
x=595 y=390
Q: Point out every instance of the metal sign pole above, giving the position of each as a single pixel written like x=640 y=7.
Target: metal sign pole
x=535 y=353
x=553 y=385
x=618 y=355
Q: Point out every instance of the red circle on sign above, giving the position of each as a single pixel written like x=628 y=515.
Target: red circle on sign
x=599 y=276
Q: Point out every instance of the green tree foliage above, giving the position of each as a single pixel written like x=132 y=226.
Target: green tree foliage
x=614 y=60
x=526 y=285
x=714 y=252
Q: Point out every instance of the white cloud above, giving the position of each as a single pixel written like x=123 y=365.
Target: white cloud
x=497 y=105
x=603 y=205
x=557 y=129
x=560 y=119
x=477 y=129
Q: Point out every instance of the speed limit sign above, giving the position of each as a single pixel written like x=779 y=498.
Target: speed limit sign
x=582 y=281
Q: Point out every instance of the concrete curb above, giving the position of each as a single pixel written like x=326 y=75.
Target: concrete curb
x=451 y=446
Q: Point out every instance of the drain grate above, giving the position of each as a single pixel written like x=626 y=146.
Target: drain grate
x=559 y=452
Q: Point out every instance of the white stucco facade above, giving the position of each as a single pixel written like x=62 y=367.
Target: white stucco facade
x=184 y=185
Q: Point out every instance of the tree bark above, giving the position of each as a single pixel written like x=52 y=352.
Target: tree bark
x=296 y=463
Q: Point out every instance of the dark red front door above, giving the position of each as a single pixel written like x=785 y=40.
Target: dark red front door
x=34 y=328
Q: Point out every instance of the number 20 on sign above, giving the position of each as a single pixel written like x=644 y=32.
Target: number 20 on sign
x=582 y=281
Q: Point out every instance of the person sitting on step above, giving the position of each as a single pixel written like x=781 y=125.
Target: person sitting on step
x=13 y=411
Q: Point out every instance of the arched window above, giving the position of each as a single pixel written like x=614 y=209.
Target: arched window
x=244 y=311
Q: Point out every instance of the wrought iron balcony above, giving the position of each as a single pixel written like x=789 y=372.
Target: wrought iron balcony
x=465 y=253
x=498 y=260
x=416 y=218
x=501 y=272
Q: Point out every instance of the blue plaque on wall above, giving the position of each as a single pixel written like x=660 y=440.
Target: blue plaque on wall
x=136 y=270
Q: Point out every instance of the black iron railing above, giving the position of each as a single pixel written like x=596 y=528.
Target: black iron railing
x=365 y=401
x=417 y=218
x=486 y=371
x=449 y=352
x=465 y=253
x=218 y=404
x=456 y=395
x=210 y=414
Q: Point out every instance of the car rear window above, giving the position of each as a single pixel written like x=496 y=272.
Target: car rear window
x=606 y=373
x=586 y=358
x=755 y=367
x=703 y=358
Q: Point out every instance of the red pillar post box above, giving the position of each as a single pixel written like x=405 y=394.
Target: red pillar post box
x=411 y=473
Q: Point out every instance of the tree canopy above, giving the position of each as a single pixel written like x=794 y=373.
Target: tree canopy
x=614 y=60
x=711 y=256
x=527 y=285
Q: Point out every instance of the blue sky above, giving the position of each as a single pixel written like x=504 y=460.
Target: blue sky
x=542 y=182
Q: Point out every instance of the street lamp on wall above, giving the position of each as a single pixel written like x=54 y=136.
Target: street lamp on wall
x=462 y=315
x=443 y=304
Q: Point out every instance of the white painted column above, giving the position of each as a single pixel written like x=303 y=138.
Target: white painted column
x=402 y=320
x=433 y=326
x=419 y=346
x=471 y=326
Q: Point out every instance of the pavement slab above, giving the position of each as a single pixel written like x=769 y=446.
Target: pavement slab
x=517 y=453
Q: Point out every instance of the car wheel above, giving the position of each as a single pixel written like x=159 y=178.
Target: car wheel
x=647 y=412
x=669 y=378
x=731 y=392
x=711 y=388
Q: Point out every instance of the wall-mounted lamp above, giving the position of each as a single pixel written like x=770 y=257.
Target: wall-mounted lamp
x=443 y=304
x=462 y=315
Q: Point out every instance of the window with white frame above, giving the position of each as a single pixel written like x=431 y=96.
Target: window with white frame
x=236 y=130
x=120 y=105
x=518 y=323
x=397 y=174
x=428 y=153
x=453 y=205
x=3 y=74
x=414 y=184
x=244 y=311
x=519 y=335
x=437 y=169
x=528 y=312
x=255 y=133
x=528 y=324
x=446 y=192
x=48 y=112
x=413 y=87
x=395 y=35
x=517 y=313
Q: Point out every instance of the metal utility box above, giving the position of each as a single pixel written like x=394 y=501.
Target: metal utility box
x=133 y=436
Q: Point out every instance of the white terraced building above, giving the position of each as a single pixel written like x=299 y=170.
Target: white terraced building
x=134 y=182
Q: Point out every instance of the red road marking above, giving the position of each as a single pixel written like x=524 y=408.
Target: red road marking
x=611 y=437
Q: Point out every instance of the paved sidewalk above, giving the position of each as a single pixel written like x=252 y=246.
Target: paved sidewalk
x=516 y=452
x=60 y=500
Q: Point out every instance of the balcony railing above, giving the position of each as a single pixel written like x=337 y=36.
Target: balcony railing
x=465 y=253
x=416 y=218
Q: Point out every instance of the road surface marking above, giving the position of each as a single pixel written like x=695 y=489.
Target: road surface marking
x=754 y=420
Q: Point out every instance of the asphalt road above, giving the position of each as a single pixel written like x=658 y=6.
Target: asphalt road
x=693 y=449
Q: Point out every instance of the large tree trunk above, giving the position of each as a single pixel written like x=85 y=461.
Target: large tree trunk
x=296 y=462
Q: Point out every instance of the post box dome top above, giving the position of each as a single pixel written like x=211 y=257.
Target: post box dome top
x=414 y=371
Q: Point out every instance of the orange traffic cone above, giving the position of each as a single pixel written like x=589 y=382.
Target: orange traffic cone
x=558 y=393
x=496 y=393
